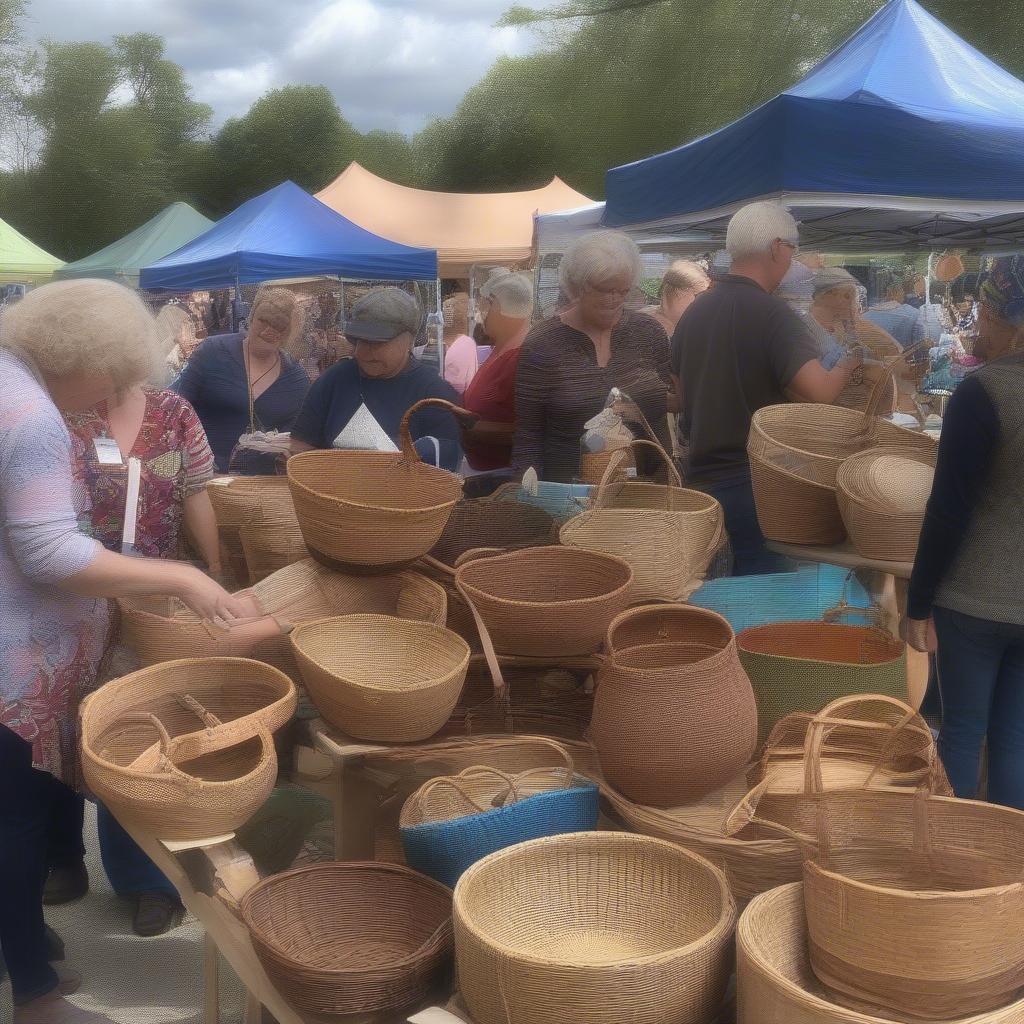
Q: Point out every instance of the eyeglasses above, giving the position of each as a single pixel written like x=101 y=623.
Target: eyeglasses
x=599 y=289
x=792 y=245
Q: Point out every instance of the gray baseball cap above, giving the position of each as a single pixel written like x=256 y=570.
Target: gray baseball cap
x=382 y=315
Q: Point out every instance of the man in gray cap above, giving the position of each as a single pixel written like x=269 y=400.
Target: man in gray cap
x=737 y=349
x=382 y=380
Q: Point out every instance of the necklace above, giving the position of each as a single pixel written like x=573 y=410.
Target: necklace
x=248 y=367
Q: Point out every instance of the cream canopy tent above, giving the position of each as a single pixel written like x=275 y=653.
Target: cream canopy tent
x=464 y=228
x=22 y=261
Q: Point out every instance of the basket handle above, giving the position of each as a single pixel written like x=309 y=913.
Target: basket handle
x=745 y=813
x=464 y=416
x=146 y=761
x=619 y=457
x=563 y=753
x=500 y=686
x=187 y=701
x=884 y=379
x=873 y=612
x=455 y=782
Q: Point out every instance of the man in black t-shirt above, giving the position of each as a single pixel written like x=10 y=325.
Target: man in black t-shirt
x=737 y=349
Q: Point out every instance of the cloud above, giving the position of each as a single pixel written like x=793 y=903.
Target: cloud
x=391 y=64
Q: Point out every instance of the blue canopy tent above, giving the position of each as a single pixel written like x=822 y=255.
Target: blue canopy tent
x=286 y=233
x=904 y=137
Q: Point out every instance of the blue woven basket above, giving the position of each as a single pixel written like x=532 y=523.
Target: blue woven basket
x=445 y=849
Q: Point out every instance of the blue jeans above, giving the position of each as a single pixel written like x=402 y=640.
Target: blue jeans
x=750 y=555
x=981 y=681
x=130 y=871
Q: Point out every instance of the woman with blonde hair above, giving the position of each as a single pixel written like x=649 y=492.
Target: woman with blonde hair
x=244 y=383
x=682 y=283
x=65 y=347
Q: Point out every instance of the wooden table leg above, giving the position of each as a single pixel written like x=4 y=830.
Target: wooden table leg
x=211 y=981
x=253 y=1010
x=355 y=813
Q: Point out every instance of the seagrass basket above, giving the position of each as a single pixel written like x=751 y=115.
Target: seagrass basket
x=270 y=546
x=599 y=927
x=339 y=939
x=882 y=495
x=481 y=523
x=185 y=749
x=377 y=677
x=373 y=510
x=594 y=466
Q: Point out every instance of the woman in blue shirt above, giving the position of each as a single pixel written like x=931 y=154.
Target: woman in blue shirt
x=387 y=379
x=243 y=384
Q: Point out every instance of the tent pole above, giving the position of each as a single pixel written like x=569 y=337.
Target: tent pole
x=440 y=320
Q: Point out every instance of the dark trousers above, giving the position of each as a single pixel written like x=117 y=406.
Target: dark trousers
x=28 y=800
x=130 y=871
x=981 y=682
x=751 y=556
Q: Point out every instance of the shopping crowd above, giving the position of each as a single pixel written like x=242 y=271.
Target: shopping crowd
x=77 y=397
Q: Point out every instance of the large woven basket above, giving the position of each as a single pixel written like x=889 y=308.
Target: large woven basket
x=339 y=939
x=451 y=822
x=244 y=504
x=795 y=451
x=803 y=666
x=669 y=548
x=377 y=677
x=882 y=494
x=774 y=980
x=165 y=630
x=373 y=510
x=271 y=546
x=601 y=927
x=544 y=602
x=184 y=749
x=887 y=867
x=674 y=714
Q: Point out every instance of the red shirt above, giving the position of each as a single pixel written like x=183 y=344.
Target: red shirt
x=492 y=396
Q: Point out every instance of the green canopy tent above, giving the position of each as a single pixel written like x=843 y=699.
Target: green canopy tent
x=22 y=261
x=121 y=261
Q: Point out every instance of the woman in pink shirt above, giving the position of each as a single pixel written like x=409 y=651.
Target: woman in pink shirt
x=460 y=361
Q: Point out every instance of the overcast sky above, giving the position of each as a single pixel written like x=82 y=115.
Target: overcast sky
x=391 y=64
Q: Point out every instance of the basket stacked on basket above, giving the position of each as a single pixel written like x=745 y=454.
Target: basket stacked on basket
x=372 y=511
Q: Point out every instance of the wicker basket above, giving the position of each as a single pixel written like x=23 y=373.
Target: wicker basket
x=184 y=750
x=552 y=602
x=376 y=677
x=161 y=631
x=373 y=510
x=882 y=496
x=601 y=927
x=674 y=718
x=595 y=466
x=774 y=980
x=480 y=523
x=915 y=903
x=669 y=548
x=340 y=939
x=245 y=502
x=803 y=666
x=451 y=822
x=271 y=546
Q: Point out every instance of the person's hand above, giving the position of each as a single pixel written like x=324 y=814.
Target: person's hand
x=920 y=634
x=853 y=359
x=209 y=600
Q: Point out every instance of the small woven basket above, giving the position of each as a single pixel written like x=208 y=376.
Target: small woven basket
x=599 y=927
x=595 y=466
x=367 y=511
x=882 y=494
x=451 y=822
x=498 y=526
x=339 y=939
x=376 y=677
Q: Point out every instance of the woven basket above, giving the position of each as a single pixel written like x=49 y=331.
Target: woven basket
x=795 y=451
x=347 y=938
x=601 y=927
x=552 y=602
x=674 y=717
x=372 y=510
x=163 y=630
x=595 y=466
x=496 y=525
x=245 y=502
x=803 y=666
x=376 y=677
x=184 y=750
x=270 y=546
x=882 y=496
x=668 y=548
x=451 y=822
x=915 y=903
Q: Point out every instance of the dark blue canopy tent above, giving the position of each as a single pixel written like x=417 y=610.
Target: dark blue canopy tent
x=903 y=137
x=286 y=233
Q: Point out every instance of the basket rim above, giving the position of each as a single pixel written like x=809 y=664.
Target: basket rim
x=877 y=630
x=342 y=867
x=532 y=552
x=293 y=482
x=782 y=471
x=723 y=927
x=845 y=491
x=415 y=625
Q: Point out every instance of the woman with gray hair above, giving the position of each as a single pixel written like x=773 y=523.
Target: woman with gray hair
x=571 y=361
x=506 y=305
x=66 y=346
x=240 y=384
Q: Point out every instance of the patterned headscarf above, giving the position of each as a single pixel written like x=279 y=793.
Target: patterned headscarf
x=1002 y=288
